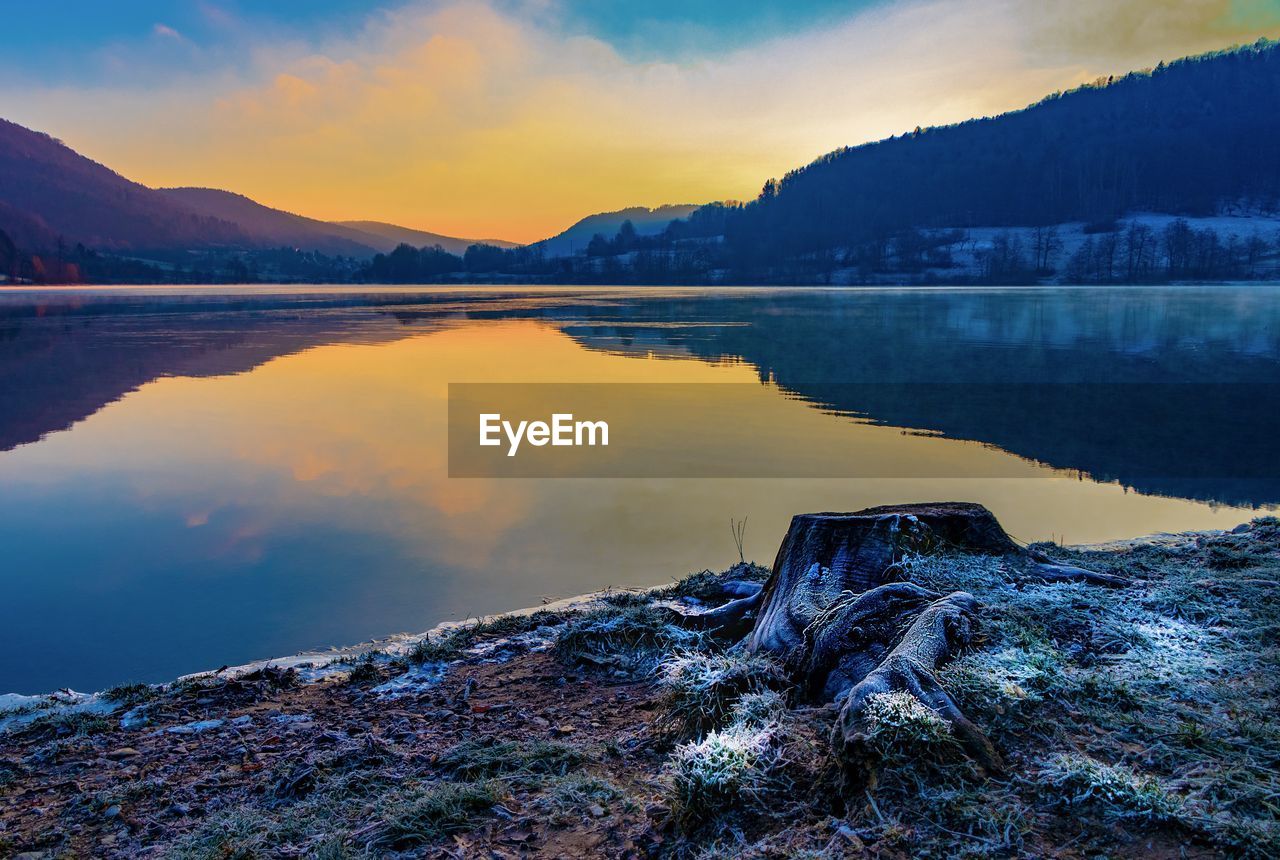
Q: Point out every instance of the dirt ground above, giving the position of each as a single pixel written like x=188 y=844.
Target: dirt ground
x=119 y=793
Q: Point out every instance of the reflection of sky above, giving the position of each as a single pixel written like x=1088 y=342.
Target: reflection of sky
x=196 y=522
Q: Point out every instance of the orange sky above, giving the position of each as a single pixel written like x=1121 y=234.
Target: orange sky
x=482 y=121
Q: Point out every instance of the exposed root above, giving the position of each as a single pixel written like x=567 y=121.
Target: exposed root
x=733 y=620
x=849 y=639
x=1045 y=569
x=937 y=635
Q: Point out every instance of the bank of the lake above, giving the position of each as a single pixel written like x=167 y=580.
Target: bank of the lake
x=1137 y=721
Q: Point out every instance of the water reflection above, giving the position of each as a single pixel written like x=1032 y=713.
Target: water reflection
x=252 y=476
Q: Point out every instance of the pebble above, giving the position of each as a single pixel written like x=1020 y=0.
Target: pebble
x=194 y=728
x=135 y=718
x=123 y=752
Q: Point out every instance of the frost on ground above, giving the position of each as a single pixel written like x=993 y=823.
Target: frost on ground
x=1134 y=722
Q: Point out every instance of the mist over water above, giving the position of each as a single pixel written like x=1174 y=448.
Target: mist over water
x=189 y=479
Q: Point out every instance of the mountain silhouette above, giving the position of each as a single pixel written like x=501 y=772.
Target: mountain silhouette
x=648 y=222
x=273 y=227
x=50 y=194
x=49 y=191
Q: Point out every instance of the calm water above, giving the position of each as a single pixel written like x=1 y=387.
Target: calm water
x=194 y=479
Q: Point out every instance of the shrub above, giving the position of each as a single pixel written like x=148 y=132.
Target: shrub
x=1078 y=779
x=365 y=671
x=1225 y=557
x=575 y=795
x=437 y=811
x=453 y=643
x=446 y=646
x=707 y=585
x=130 y=695
x=899 y=731
x=64 y=724
x=701 y=689
x=758 y=710
x=725 y=771
x=487 y=757
x=900 y=719
x=623 y=599
x=1001 y=686
x=633 y=638
x=234 y=835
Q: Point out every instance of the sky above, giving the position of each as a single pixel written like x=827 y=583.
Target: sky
x=512 y=119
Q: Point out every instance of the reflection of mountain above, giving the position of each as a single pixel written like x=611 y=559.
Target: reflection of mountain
x=65 y=356
x=1161 y=391
x=1175 y=392
x=63 y=360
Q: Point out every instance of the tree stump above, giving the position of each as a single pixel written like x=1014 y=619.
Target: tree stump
x=825 y=556
x=832 y=613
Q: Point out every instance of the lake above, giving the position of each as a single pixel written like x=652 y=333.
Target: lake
x=198 y=477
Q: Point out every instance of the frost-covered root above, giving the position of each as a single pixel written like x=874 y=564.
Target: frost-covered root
x=937 y=635
x=732 y=621
x=1047 y=570
x=847 y=641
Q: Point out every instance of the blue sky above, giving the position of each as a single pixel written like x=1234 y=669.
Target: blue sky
x=80 y=41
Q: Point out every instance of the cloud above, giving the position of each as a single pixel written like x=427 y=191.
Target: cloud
x=477 y=119
x=164 y=31
x=1145 y=31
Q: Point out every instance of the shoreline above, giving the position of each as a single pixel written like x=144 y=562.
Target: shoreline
x=317 y=664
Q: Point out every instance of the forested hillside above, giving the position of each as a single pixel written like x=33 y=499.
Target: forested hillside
x=1083 y=186
x=1184 y=138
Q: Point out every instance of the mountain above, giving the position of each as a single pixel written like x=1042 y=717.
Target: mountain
x=1190 y=137
x=648 y=222
x=49 y=193
x=274 y=227
x=47 y=190
x=391 y=235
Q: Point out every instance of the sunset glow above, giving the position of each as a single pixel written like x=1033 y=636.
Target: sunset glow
x=513 y=120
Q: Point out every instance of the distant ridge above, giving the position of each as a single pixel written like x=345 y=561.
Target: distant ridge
x=391 y=235
x=274 y=227
x=648 y=222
